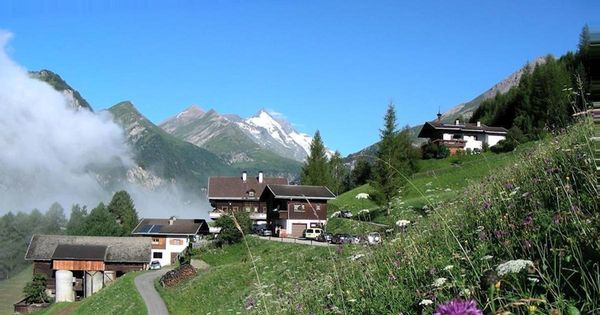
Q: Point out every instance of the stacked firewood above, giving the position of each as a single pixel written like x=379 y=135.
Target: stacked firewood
x=177 y=275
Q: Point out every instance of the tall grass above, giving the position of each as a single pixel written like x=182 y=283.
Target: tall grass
x=537 y=218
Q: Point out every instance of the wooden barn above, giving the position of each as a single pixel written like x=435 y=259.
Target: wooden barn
x=79 y=266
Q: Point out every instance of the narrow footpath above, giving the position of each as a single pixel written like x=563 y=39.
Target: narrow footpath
x=145 y=285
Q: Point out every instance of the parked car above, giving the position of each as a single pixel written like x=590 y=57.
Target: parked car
x=325 y=237
x=345 y=214
x=312 y=233
x=266 y=232
x=155 y=265
x=341 y=239
x=356 y=239
x=373 y=238
x=257 y=228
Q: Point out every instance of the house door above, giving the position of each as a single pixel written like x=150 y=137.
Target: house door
x=297 y=229
x=174 y=258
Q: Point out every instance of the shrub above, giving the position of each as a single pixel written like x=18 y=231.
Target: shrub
x=506 y=145
x=230 y=231
x=35 y=290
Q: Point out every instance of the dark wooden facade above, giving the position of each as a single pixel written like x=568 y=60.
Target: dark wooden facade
x=232 y=205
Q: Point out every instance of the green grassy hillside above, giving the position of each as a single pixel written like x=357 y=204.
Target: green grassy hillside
x=233 y=285
x=522 y=237
x=11 y=290
x=119 y=298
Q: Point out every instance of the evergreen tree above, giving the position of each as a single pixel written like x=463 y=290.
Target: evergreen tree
x=54 y=219
x=361 y=174
x=75 y=226
x=100 y=222
x=387 y=177
x=315 y=170
x=122 y=208
x=338 y=173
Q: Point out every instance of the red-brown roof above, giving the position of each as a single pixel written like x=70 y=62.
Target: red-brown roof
x=431 y=126
x=233 y=187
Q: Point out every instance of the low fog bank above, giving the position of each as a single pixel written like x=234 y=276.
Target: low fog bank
x=49 y=151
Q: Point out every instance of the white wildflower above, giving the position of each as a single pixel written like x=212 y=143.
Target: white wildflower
x=534 y=280
x=356 y=256
x=439 y=282
x=352 y=300
x=513 y=266
x=487 y=257
x=402 y=223
x=426 y=302
x=465 y=293
x=449 y=267
x=362 y=196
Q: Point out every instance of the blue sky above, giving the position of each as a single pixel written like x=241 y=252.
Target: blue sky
x=327 y=65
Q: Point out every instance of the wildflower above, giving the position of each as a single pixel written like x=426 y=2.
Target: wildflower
x=456 y=307
x=482 y=236
x=528 y=221
x=526 y=244
x=557 y=218
x=525 y=194
x=439 y=282
x=486 y=204
x=509 y=186
x=448 y=268
x=356 y=256
x=402 y=223
x=533 y=280
x=250 y=303
x=465 y=292
x=426 y=302
x=299 y=307
x=392 y=278
x=532 y=309
x=487 y=257
x=513 y=266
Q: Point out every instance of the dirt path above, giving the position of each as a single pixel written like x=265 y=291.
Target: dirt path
x=145 y=285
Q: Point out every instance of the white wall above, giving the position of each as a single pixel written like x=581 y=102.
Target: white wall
x=472 y=143
x=166 y=258
x=447 y=136
x=492 y=140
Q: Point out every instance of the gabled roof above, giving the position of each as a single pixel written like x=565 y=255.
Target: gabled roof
x=153 y=226
x=300 y=192
x=118 y=249
x=431 y=126
x=234 y=188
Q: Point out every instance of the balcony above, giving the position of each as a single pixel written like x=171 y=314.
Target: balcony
x=455 y=143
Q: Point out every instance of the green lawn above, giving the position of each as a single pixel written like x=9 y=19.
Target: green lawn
x=121 y=297
x=231 y=284
x=12 y=288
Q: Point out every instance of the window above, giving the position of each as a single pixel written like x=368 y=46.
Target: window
x=299 y=208
x=224 y=208
x=155 y=241
x=247 y=209
x=251 y=193
x=235 y=208
x=176 y=241
x=264 y=209
x=157 y=255
x=318 y=207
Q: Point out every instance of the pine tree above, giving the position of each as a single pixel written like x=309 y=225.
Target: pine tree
x=54 y=219
x=361 y=174
x=100 y=222
x=315 y=170
x=122 y=208
x=396 y=159
x=75 y=226
x=338 y=173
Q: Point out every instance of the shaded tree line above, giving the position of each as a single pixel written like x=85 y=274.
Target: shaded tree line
x=545 y=98
x=117 y=219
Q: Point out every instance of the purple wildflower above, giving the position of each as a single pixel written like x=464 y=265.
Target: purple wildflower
x=526 y=244
x=528 y=220
x=509 y=186
x=499 y=234
x=392 y=278
x=250 y=303
x=486 y=204
x=299 y=307
x=458 y=307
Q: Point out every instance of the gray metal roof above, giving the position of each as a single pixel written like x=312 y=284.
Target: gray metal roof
x=150 y=226
x=118 y=249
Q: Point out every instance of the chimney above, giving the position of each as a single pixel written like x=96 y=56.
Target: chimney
x=260 y=177
x=457 y=122
x=244 y=176
x=479 y=124
x=172 y=219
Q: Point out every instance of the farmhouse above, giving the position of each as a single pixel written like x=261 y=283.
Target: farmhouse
x=79 y=266
x=462 y=136
x=228 y=194
x=170 y=236
x=293 y=208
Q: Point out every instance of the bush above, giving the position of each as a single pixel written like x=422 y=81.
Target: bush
x=35 y=290
x=230 y=231
x=504 y=146
x=433 y=151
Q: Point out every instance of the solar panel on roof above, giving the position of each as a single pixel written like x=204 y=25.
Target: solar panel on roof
x=156 y=228
x=145 y=228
